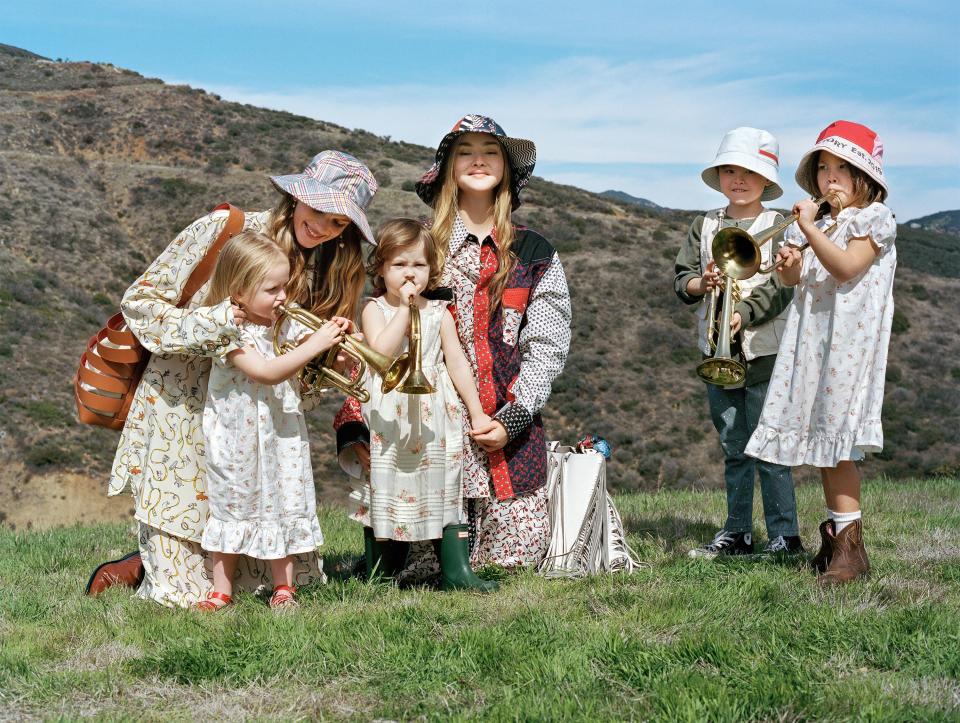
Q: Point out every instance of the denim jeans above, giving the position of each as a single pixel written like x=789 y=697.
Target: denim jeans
x=735 y=414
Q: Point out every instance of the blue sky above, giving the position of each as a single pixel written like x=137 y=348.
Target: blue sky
x=633 y=96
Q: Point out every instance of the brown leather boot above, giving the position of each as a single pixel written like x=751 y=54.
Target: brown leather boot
x=822 y=559
x=127 y=571
x=849 y=556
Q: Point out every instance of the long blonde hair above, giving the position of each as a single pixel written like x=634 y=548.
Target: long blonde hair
x=243 y=263
x=328 y=278
x=445 y=214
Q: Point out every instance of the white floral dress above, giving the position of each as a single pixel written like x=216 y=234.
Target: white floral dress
x=161 y=457
x=259 y=477
x=416 y=447
x=825 y=396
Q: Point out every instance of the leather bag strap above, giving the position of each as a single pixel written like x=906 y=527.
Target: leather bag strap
x=204 y=269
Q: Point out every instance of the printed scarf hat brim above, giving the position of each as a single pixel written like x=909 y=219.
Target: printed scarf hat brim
x=521 y=156
x=334 y=182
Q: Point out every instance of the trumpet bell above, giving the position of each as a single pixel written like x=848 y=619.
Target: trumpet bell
x=736 y=253
x=416 y=383
x=721 y=371
x=395 y=374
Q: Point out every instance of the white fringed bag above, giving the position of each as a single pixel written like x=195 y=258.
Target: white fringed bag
x=586 y=532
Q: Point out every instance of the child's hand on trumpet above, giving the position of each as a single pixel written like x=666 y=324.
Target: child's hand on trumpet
x=324 y=338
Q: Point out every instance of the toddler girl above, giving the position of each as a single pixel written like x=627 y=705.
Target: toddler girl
x=415 y=439
x=260 y=482
x=825 y=395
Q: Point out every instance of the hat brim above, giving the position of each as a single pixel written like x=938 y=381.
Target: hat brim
x=711 y=174
x=803 y=168
x=521 y=157
x=325 y=199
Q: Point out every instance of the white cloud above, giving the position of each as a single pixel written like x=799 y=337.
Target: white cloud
x=587 y=110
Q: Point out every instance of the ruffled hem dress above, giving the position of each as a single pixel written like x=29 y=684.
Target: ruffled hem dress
x=259 y=476
x=825 y=396
x=416 y=447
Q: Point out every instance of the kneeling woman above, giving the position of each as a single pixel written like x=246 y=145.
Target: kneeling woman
x=319 y=222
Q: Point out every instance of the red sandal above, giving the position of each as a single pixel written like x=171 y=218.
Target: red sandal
x=283 y=598
x=215 y=601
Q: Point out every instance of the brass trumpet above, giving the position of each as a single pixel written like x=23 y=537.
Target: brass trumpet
x=722 y=369
x=319 y=374
x=737 y=253
x=416 y=381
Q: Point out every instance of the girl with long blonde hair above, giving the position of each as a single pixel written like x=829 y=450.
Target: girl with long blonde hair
x=259 y=477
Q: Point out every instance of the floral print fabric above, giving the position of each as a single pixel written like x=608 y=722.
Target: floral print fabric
x=160 y=457
x=179 y=573
x=259 y=477
x=416 y=447
x=825 y=396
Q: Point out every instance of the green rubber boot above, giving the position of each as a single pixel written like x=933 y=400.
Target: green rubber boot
x=455 y=568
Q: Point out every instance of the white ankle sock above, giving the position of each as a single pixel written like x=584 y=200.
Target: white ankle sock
x=842 y=519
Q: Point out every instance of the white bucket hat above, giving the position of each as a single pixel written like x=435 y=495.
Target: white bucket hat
x=750 y=148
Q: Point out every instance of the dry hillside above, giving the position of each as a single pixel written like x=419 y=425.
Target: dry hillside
x=100 y=167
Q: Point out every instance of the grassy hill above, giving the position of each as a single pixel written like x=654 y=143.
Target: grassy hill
x=100 y=167
x=681 y=639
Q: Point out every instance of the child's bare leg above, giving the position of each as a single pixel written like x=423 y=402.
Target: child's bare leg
x=224 y=566
x=283 y=597
x=841 y=487
x=282 y=571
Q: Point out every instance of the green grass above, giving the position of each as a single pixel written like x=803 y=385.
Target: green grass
x=678 y=640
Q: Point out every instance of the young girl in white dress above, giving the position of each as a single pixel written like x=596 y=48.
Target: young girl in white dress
x=260 y=482
x=824 y=400
x=416 y=440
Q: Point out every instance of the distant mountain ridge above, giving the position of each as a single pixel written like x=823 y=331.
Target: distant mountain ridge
x=941 y=222
x=100 y=167
x=624 y=197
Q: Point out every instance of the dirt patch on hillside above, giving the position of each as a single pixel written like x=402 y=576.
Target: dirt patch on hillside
x=34 y=501
x=31 y=501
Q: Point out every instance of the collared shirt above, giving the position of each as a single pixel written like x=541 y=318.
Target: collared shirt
x=516 y=350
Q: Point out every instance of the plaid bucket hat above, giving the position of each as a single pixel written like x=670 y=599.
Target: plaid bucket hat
x=855 y=143
x=751 y=148
x=334 y=182
x=521 y=156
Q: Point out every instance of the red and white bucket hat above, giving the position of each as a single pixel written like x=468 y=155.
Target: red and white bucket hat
x=751 y=148
x=855 y=143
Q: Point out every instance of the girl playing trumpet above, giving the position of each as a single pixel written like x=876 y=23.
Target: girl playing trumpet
x=260 y=480
x=825 y=396
x=416 y=440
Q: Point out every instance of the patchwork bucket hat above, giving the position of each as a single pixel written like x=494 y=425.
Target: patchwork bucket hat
x=521 y=156
x=750 y=148
x=855 y=143
x=334 y=182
